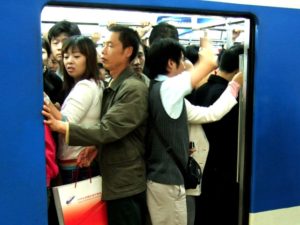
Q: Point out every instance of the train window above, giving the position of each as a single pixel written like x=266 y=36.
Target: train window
x=224 y=31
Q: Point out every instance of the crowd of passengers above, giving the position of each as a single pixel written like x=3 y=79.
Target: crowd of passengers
x=106 y=111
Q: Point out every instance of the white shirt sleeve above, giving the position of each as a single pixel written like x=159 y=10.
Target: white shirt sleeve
x=172 y=93
x=200 y=114
x=78 y=101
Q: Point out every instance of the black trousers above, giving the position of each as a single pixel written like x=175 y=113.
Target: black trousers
x=52 y=214
x=127 y=211
x=218 y=205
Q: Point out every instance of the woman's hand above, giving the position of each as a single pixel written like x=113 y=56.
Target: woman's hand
x=53 y=110
x=54 y=124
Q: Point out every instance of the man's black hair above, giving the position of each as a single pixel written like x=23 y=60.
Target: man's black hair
x=159 y=54
x=128 y=37
x=229 y=58
x=61 y=27
x=163 y=30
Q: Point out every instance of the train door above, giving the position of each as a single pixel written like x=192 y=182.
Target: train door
x=223 y=29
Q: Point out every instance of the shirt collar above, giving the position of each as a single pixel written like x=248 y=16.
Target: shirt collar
x=161 y=77
x=115 y=83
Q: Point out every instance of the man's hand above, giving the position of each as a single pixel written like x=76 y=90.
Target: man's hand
x=86 y=156
x=238 y=77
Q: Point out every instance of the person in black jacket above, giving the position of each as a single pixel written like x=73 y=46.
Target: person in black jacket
x=218 y=202
x=52 y=83
x=53 y=89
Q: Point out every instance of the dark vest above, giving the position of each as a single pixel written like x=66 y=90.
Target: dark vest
x=161 y=166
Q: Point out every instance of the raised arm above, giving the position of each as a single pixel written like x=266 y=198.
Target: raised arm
x=207 y=63
x=200 y=114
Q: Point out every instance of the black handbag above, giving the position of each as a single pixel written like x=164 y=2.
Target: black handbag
x=192 y=173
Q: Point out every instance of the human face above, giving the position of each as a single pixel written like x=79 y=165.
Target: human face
x=44 y=56
x=114 y=57
x=75 y=63
x=52 y=64
x=139 y=61
x=56 y=45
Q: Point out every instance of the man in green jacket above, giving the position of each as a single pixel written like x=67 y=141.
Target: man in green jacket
x=120 y=133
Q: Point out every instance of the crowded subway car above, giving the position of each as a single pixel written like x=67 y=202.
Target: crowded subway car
x=269 y=122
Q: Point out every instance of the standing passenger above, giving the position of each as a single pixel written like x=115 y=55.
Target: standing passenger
x=166 y=197
x=57 y=34
x=218 y=203
x=166 y=30
x=120 y=132
x=52 y=64
x=138 y=64
x=52 y=83
x=198 y=115
x=83 y=102
x=50 y=146
x=163 y=30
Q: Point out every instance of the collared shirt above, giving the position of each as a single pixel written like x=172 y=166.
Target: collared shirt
x=181 y=86
x=173 y=90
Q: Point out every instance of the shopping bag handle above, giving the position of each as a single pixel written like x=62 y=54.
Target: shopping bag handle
x=75 y=174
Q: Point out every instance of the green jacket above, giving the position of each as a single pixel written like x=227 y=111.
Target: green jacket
x=119 y=136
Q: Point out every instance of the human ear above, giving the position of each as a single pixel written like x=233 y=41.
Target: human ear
x=170 y=66
x=128 y=51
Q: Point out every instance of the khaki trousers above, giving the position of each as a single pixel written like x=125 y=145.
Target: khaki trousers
x=166 y=204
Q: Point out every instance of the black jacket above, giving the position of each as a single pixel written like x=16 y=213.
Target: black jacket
x=53 y=87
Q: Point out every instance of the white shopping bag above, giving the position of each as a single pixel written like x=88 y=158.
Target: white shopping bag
x=80 y=203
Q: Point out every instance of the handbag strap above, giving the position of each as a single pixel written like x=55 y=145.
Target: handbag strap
x=165 y=143
x=170 y=151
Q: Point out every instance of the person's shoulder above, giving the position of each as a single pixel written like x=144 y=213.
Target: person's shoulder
x=133 y=84
x=146 y=79
x=89 y=82
x=214 y=83
x=135 y=80
x=87 y=85
x=85 y=82
x=53 y=77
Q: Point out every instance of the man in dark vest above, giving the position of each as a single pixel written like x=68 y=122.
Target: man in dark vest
x=166 y=196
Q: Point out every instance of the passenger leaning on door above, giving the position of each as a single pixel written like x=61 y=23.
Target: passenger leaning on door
x=120 y=132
